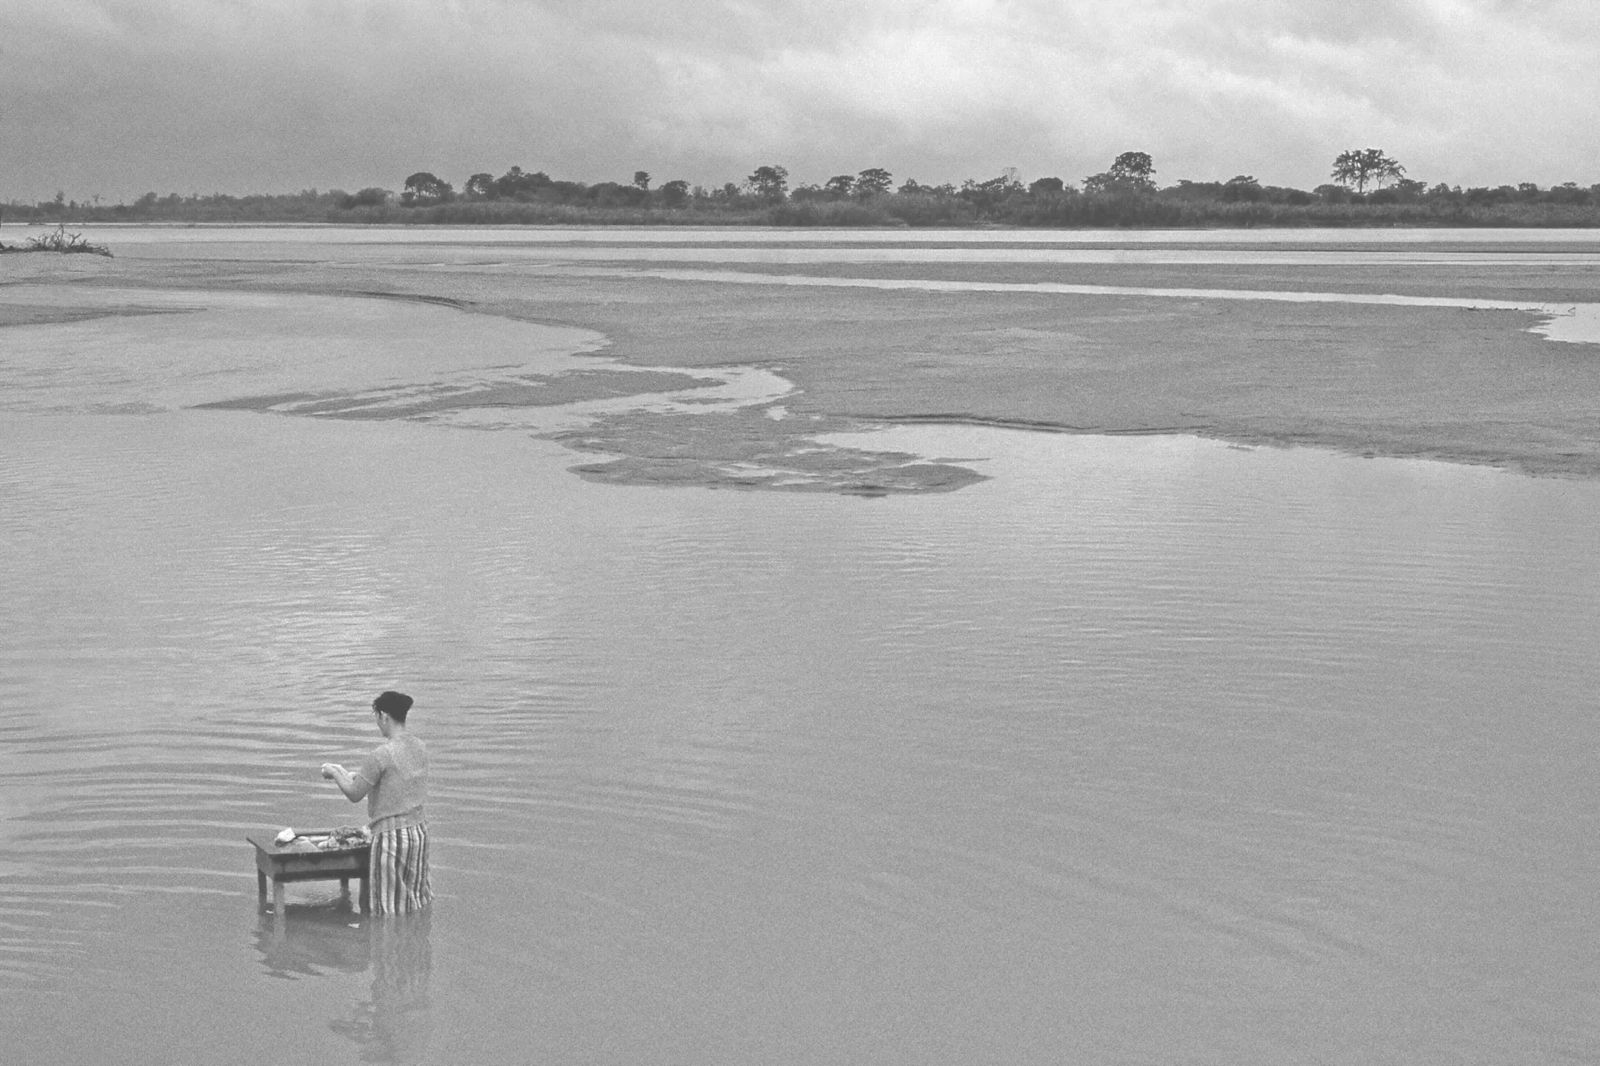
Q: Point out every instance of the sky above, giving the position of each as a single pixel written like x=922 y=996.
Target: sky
x=114 y=98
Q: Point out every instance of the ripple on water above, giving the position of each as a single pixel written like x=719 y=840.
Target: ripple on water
x=1135 y=730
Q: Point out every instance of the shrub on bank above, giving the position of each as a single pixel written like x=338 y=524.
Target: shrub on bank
x=518 y=213
x=924 y=209
x=831 y=213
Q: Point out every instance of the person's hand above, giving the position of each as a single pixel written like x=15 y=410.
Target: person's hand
x=329 y=769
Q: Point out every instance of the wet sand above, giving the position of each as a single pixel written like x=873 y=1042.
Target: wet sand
x=1452 y=383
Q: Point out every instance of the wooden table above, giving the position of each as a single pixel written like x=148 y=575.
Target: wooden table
x=282 y=865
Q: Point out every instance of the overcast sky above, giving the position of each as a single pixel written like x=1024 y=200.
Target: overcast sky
x=117 y=97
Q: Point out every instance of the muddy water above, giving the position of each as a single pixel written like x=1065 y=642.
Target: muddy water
x=1143 y=750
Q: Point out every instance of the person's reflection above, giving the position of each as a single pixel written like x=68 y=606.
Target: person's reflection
x=396 y=1023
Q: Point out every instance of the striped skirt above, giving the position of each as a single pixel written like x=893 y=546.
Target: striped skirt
x=398 y=877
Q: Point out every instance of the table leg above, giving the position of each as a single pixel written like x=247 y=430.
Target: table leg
x=261 y=890
x=366 y=896
x=344 y=888
x=277 y=899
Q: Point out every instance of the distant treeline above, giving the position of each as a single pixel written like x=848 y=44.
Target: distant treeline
x=1370 y=190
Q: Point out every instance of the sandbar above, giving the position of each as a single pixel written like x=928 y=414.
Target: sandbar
x=1471 y=384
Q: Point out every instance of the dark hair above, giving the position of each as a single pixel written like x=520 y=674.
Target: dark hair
x=393 y=704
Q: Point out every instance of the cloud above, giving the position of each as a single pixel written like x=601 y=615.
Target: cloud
x=116 y=97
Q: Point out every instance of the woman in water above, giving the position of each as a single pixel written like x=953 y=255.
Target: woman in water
x=393 y=778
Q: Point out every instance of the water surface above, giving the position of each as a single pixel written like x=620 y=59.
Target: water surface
x=1144 y=750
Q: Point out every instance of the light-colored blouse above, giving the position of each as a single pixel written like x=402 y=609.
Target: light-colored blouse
x=394 y=776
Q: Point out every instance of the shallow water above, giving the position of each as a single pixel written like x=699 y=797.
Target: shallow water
x=1144 y=750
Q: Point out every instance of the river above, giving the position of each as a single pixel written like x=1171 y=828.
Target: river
x=1143 y=749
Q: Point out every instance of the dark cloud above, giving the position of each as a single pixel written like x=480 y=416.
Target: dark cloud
x=116 y=97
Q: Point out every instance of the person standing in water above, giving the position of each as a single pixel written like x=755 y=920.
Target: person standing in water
x=393 y=779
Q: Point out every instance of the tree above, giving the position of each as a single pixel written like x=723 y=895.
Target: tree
x=674 y=193
x=611 y=194
x=1356 y=168
x=1134 y=169
x=368 y=197
x=508 y=184
x=839 y=185
x=480 y=187
x=987 y=195
x=1241 y=187
x=1567 y=192
x=873 y=181
x=1047 y=187
x=516 y=184
x=770 y=182
x=424 y=188
x=1130 y=172
x=641 y=180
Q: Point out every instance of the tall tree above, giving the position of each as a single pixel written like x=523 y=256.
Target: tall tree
x=839 y=185
x=675 y=193
x=770 y=182
x=873 y=181
x=424 y=188
x=1130 y=172
x=641 y=180
x=1134 y=169
x=1241 y=187
x=1356 y=168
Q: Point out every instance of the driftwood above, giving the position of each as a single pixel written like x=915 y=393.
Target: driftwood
x=59 y=241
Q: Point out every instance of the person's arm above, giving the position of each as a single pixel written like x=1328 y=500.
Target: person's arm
x=354 y=786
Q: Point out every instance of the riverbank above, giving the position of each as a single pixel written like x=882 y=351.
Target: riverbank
x=1442 y=382
x=1187 y=206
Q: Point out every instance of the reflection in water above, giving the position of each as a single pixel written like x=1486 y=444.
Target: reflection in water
x=312 y=940
x=394 y=1021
